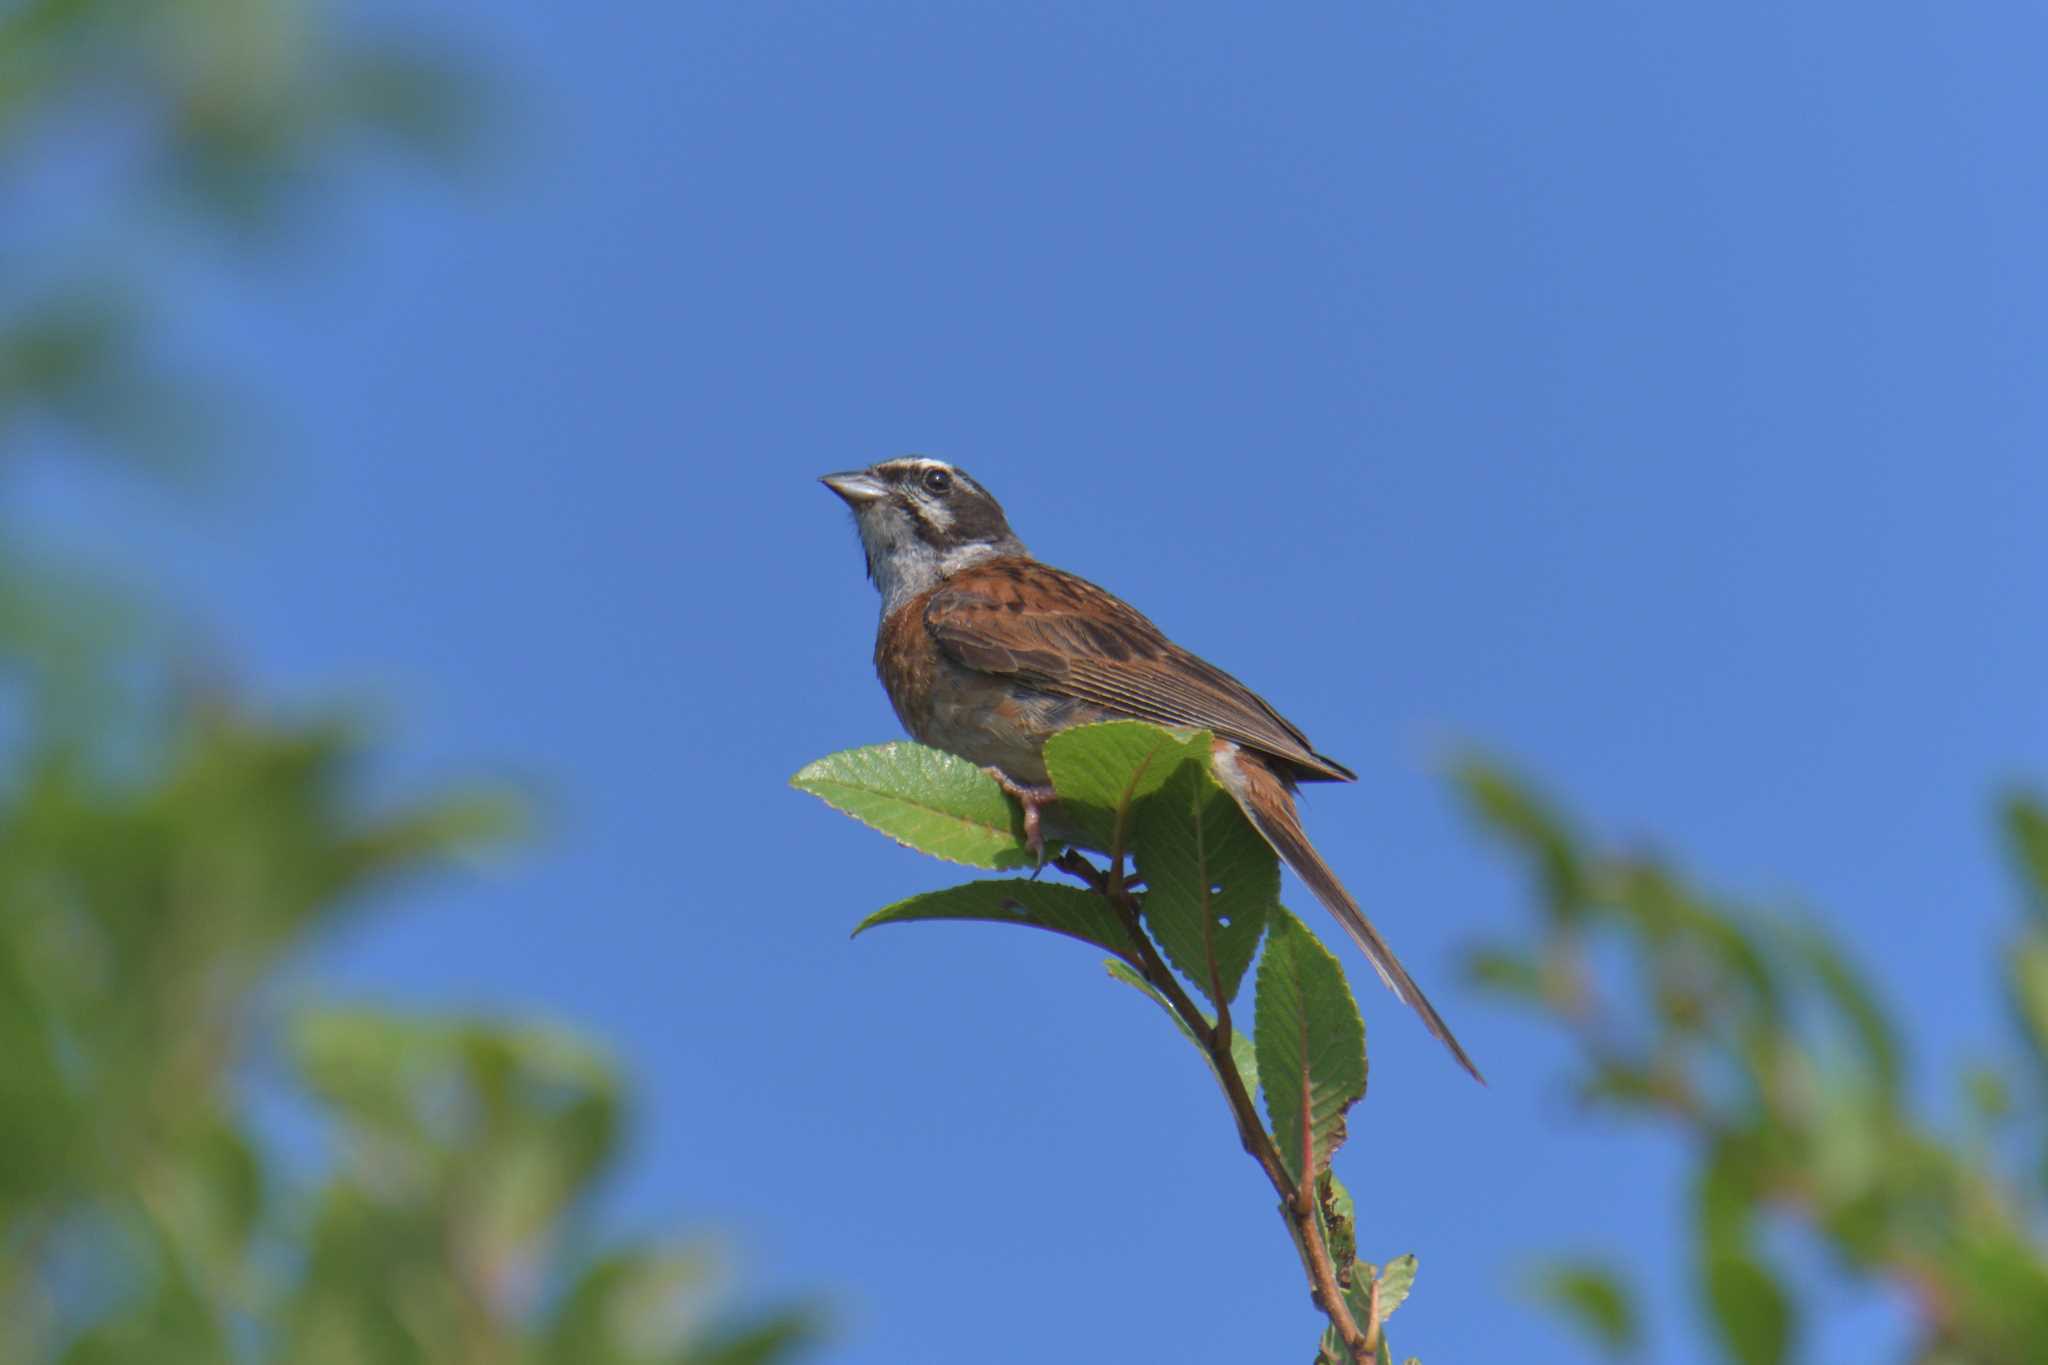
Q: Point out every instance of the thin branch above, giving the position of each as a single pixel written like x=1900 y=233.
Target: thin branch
x=1298 y=1204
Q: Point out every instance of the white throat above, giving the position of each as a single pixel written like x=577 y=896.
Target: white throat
x=906 y=569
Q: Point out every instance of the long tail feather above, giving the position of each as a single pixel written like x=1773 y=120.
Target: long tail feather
x=1265 y=799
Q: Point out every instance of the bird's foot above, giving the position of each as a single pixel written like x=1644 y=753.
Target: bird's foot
x=1033 y=800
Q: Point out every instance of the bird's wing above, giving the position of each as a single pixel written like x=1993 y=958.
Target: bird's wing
x=1063 y=635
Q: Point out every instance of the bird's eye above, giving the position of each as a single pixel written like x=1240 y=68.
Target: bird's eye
x=937 y=481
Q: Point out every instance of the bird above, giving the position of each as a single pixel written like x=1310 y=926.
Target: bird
x=987 y=652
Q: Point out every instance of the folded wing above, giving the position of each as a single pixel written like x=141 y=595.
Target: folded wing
x=1063 y=635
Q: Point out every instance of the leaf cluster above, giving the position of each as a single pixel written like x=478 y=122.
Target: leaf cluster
x=236 y=117
x=1185 y=896
x=146 y=1217
x=163 y=857
x=1757 y=1038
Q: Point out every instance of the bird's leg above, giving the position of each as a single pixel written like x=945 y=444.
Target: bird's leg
x=1033 y=800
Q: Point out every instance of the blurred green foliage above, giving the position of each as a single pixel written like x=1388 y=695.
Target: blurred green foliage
x=124 y=123
x=143 y=1217
x=231 y=105
x=1757 y=1040
x=166 y=857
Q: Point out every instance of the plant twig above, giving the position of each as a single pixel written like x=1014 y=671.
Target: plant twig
x=1298 y=1203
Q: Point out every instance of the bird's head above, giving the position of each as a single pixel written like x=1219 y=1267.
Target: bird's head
x=921 y=520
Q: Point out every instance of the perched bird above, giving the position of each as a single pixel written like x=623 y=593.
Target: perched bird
x=986 y=652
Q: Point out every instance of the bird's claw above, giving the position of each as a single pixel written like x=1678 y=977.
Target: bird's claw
x=1033 y=800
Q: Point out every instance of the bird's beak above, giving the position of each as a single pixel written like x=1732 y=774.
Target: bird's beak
x=857 y=486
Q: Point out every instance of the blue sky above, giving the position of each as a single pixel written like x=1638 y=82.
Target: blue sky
x=1650 y=396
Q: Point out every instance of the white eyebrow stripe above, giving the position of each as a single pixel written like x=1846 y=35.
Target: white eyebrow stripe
x=920 y=463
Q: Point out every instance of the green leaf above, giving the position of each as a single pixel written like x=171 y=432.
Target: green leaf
x=1751 y=1314
x=1102 y=771
x=459 y=824
x=1242 y=1055
x=1395 y=1281
x=2026 y=832
x=1725 y=1192
x=1594 y=1300
x=934 y=802
x=1987 y=1095
x=1625 y=1085
x=1500 y=800
x=2026 y=965
x=1311 y=1046
x=646 y=1303
x=1508 y=972
x=1039 y=905
x=625 y=1299
x=783 y=1335
x=1210 y=879
x=1340 y=1223
x=209 y=1201
x=1358 y=1293
x=1679 y=929
x=522 y=1116
x=1994 y=1286
x=1853 y=999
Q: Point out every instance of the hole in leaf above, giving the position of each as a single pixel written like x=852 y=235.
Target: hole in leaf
x=1223 y=921
x=1215 y=888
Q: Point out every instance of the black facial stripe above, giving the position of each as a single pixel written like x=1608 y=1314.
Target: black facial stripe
x=976 y=516
x=963 y=515
x=936 y=537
